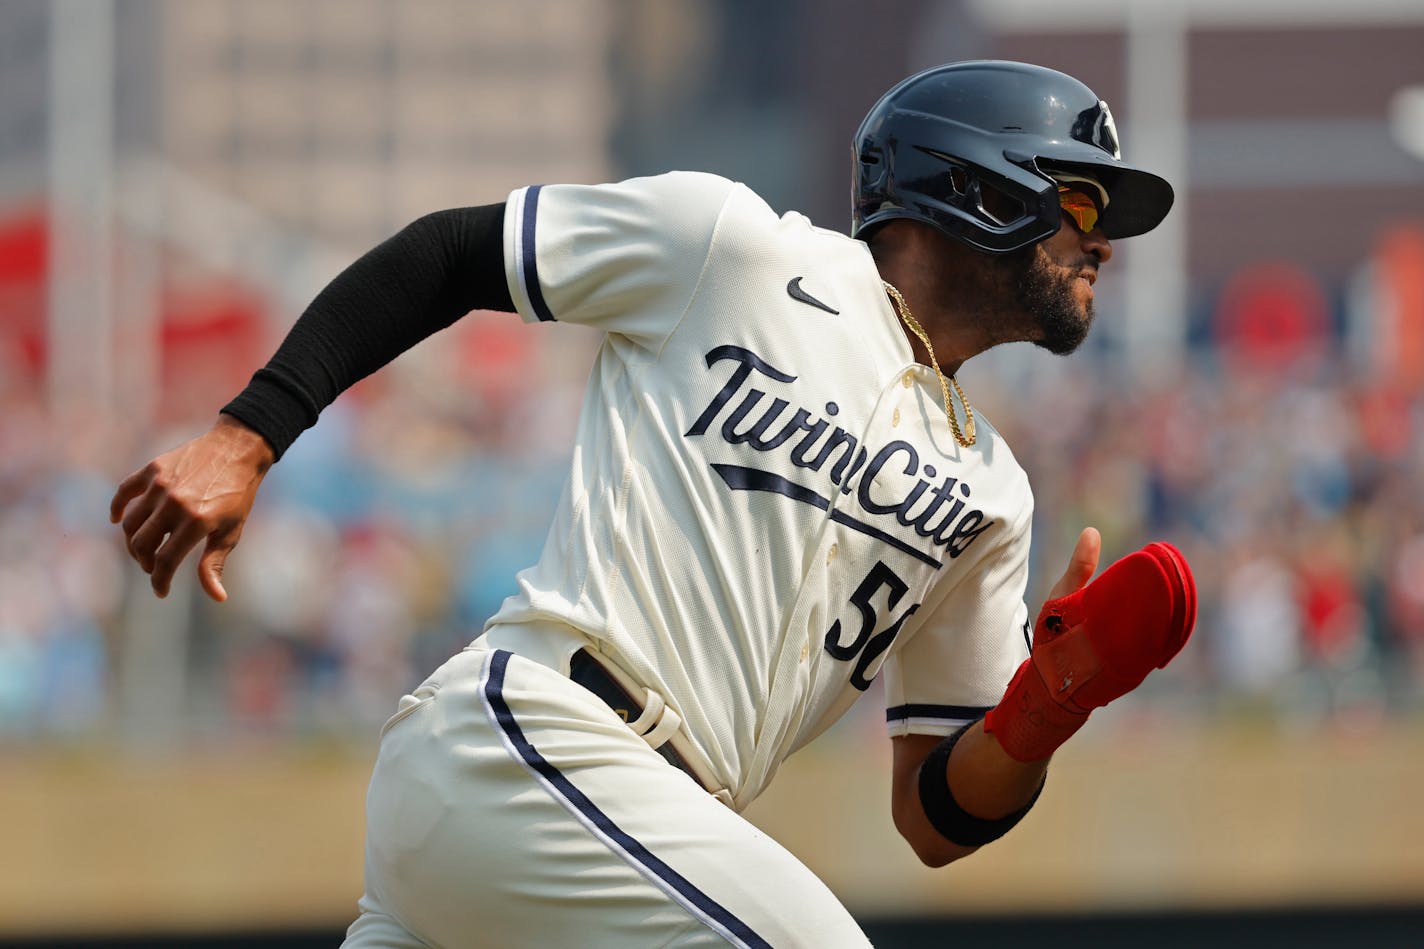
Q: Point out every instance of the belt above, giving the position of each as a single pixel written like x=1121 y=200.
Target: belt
x=651 y=718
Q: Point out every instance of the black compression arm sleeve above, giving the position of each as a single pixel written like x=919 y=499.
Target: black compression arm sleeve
x=424 y=278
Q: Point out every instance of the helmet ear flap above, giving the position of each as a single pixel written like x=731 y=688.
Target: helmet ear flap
x=969 y=192
x=978 y=195
x=1000 y=213
x=997 y=205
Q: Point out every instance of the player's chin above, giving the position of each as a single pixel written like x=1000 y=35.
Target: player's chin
x=1063 y=330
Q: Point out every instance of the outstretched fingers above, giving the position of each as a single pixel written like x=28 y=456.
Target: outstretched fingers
x=146 y=521
x=160 y=531
x=168 y=558
x=203 y=489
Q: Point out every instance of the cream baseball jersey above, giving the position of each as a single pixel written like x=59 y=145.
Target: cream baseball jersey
x=766 y=507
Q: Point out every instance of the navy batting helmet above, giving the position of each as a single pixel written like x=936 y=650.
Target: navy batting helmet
x=935 y=146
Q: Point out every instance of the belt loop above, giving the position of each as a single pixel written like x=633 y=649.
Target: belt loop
x=666 y=727
x=653 y=706
x=655 y=722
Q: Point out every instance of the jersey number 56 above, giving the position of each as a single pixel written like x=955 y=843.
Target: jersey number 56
x=868 y=645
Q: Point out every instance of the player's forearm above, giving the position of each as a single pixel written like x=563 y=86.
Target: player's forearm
x=986 y=781
x=419 y=281
x=983 y=780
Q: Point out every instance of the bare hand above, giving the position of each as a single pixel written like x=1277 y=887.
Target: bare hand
x=202 y=490
x=1081 y=565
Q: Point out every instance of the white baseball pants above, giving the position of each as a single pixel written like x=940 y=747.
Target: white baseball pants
x=510 y=807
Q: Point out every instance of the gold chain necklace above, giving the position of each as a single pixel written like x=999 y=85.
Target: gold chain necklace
x=966 y=437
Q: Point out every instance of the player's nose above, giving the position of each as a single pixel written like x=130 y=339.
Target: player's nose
x=1095 y=242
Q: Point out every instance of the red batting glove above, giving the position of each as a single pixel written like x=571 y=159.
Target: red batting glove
x=1094 y=645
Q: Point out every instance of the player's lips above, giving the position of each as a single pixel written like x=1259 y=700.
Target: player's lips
x=1089 y=276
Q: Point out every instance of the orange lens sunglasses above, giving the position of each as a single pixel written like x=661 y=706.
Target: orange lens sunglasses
x=1080 y=205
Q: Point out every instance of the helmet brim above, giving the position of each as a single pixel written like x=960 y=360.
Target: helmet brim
x=1138 y=200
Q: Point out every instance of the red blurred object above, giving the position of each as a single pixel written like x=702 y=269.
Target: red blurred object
x=496 y=350
x=1332 y=612
x=24 y=247
x=1383 y=414
x=1272 y=316
x=211 y=339
x=1399 y=262
x=24 y=263
x=211 y=328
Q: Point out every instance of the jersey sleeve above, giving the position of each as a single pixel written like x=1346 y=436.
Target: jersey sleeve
x=956 y=667
x=625 y=258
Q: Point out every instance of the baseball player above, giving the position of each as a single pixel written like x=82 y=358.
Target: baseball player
x=778 y=492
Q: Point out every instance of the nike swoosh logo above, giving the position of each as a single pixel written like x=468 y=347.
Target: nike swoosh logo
x=794 y=288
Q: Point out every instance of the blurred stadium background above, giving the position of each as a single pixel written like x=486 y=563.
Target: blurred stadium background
x=179 y=177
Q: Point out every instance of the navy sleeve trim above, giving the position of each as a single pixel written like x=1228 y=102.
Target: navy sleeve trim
x=949 y=713
x=528 y=259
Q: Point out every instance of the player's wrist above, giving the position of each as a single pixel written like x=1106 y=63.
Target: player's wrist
x=1031 y=722
x=948 y=815
x=251 y=445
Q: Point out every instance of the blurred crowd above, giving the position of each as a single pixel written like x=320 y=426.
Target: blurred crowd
x=1298 y=497
x=392 y=530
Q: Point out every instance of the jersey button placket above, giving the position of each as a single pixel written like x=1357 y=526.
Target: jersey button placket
x=832 y=553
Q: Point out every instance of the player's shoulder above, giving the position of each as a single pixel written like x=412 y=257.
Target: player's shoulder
x=739 y=207
x=751 y=230
x=681 y=183
x=668 y=199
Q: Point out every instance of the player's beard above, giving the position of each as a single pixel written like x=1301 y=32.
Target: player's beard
x=1047 y=294
x=1023 y=295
